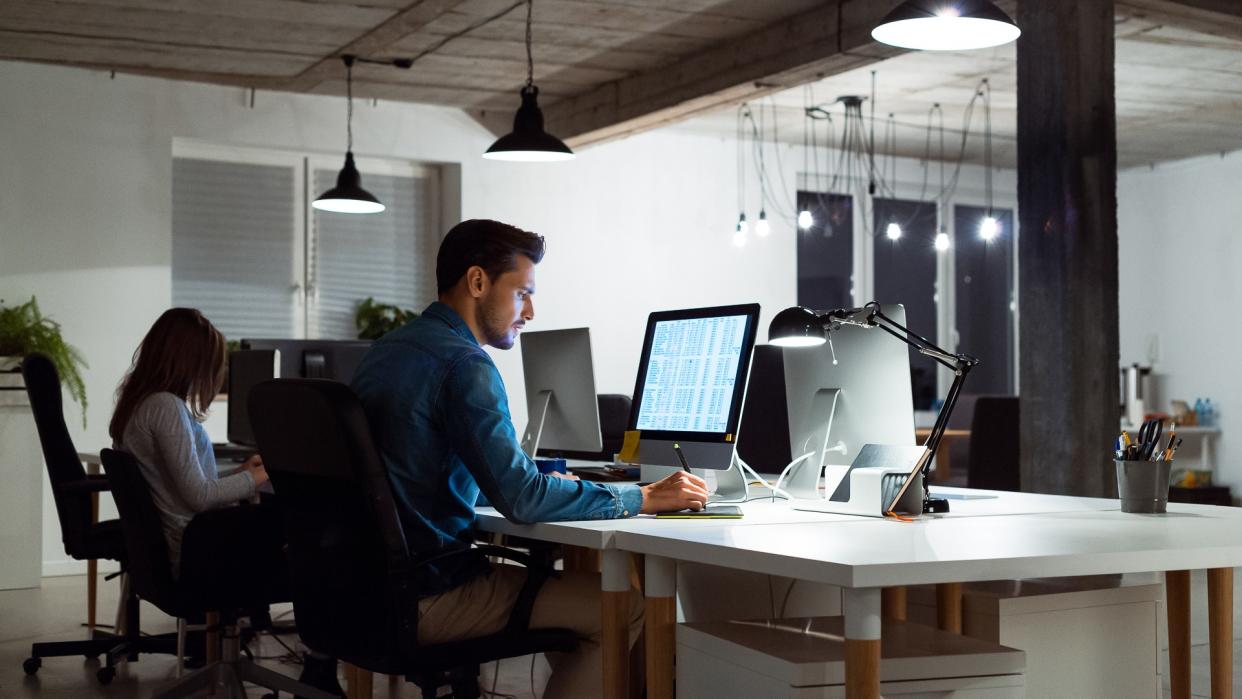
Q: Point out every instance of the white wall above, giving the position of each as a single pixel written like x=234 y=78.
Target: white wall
x=1180 y=227
x=633 y=226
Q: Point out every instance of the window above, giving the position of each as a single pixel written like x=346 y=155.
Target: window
x=826 y=251
x=983 y=281
x=905 y=273
x=250 y=252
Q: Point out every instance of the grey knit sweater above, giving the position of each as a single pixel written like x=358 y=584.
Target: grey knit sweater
x=177 y=461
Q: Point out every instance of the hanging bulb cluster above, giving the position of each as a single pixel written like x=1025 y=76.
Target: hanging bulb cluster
x=739 y=233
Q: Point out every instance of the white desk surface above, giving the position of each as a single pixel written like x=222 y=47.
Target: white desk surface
x=1015 y=535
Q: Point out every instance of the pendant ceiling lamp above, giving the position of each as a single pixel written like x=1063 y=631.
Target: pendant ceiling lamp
x=528 y=142
x=946 y=25
x=348 y=196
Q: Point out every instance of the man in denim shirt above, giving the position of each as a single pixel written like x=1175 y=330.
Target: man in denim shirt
x=440 y=414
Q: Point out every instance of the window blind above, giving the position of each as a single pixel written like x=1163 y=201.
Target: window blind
x=388 y=256
x=234 y=226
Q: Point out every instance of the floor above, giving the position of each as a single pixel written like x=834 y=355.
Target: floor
x=56 y=612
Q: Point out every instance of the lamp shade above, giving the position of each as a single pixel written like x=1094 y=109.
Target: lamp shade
x=796 y=327
x=946 y=25
x=348 y=196
x=528 y=142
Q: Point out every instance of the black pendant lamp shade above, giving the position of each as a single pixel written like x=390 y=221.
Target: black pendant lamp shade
x=946 y=25
x=528 y=142
x=348 y=196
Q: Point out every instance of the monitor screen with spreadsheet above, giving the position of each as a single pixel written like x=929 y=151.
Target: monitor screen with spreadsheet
x=691 y=381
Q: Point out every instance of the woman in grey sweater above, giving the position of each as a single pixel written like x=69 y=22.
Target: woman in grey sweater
x=177 y=371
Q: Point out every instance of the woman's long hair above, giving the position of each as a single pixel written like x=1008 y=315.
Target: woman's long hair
x=182 y=354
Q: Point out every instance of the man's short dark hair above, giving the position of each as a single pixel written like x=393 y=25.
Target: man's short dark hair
x=492 y=245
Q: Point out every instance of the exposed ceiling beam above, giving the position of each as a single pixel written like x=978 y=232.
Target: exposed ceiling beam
x=833 y=38
x=1220 y=18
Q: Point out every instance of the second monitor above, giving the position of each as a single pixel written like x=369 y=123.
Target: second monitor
x=561 y=407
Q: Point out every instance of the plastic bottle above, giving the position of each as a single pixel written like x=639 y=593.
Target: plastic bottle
x=1210 y=412
x=1200 y=418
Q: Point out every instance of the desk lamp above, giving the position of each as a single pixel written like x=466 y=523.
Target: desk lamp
x=801 y=327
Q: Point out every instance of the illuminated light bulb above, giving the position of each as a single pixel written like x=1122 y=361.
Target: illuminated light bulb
x=893 y=231
x=988 y=228
x=762 y=227
x=739 y=238
x=742 y=226
x=805 y=219
x=942 y=241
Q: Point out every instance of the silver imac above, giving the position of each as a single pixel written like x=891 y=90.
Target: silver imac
x=852 y=390
x=691 y=382
x=561 y=407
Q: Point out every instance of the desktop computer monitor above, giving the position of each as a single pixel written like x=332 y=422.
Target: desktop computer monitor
x=247 y=369
x=315 y=359
x=852 y=390
x=691 y=383
x=561 y=407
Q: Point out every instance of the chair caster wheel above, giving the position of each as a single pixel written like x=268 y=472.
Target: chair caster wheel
x=32 y=665
x=105 y=674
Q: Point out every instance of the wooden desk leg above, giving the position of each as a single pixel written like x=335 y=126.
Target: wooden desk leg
x=862 y=643
x=1177 y=602
x=949 y=607
x=92 y=566
x=660 y=623
x=1220 y=630
x=615 y=627
x=357 y=682
x=893 y=603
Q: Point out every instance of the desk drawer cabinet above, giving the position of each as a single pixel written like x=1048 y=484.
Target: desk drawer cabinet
x=804 y=659
x=1084 y=637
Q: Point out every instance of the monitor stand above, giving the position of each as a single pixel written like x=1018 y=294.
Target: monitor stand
x=534 y=428
x=730 y=483
x=806 y=470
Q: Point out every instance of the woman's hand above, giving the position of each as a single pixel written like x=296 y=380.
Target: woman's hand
x=254 y=465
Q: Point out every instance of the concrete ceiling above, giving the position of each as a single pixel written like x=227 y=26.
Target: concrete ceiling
x=1178 y=91
x=608 y=68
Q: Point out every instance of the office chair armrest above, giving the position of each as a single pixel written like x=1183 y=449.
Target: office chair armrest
x=91 y=484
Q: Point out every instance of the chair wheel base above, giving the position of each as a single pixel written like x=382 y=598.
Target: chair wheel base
x=31 y=665
x=105 y=675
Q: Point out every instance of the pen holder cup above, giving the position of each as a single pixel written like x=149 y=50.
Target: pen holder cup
x=1143 y=486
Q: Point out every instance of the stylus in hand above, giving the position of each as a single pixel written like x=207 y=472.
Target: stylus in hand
x=681 y=457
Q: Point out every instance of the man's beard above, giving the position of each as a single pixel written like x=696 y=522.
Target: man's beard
x=497 y=329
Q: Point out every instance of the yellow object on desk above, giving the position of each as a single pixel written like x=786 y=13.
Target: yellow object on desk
x=629 y=447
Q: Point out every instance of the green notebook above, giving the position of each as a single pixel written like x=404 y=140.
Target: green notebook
x=712 y=512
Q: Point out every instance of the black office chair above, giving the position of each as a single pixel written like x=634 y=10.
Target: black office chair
x=151 y=574
x=72 y=488
x=994 y=462
x=354 y=581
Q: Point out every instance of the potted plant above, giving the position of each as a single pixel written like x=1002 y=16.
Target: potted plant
x=374 y=319
x=25 y=330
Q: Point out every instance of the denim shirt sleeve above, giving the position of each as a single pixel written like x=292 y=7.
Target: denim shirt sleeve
x=476 y=418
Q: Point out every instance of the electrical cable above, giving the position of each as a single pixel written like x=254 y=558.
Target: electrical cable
x=785 y=601
x=745 y=467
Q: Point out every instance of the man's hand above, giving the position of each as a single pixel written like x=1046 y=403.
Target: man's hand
x=680 y=491
x=255 y=466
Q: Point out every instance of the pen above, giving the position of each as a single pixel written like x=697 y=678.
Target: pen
x=681 y=457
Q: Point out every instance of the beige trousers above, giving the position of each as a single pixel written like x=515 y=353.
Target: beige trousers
x=570 y=601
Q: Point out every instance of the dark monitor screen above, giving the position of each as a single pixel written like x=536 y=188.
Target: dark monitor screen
x=691 y=380
x=315 y=359
x=247 y=368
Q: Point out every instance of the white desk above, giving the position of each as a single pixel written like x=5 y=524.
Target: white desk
x=1012 y=536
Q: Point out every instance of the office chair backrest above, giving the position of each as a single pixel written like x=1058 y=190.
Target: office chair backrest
x=614 y=414
x=73 y=508
x=994 y=452
x=145 y=547
x=347 y=551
